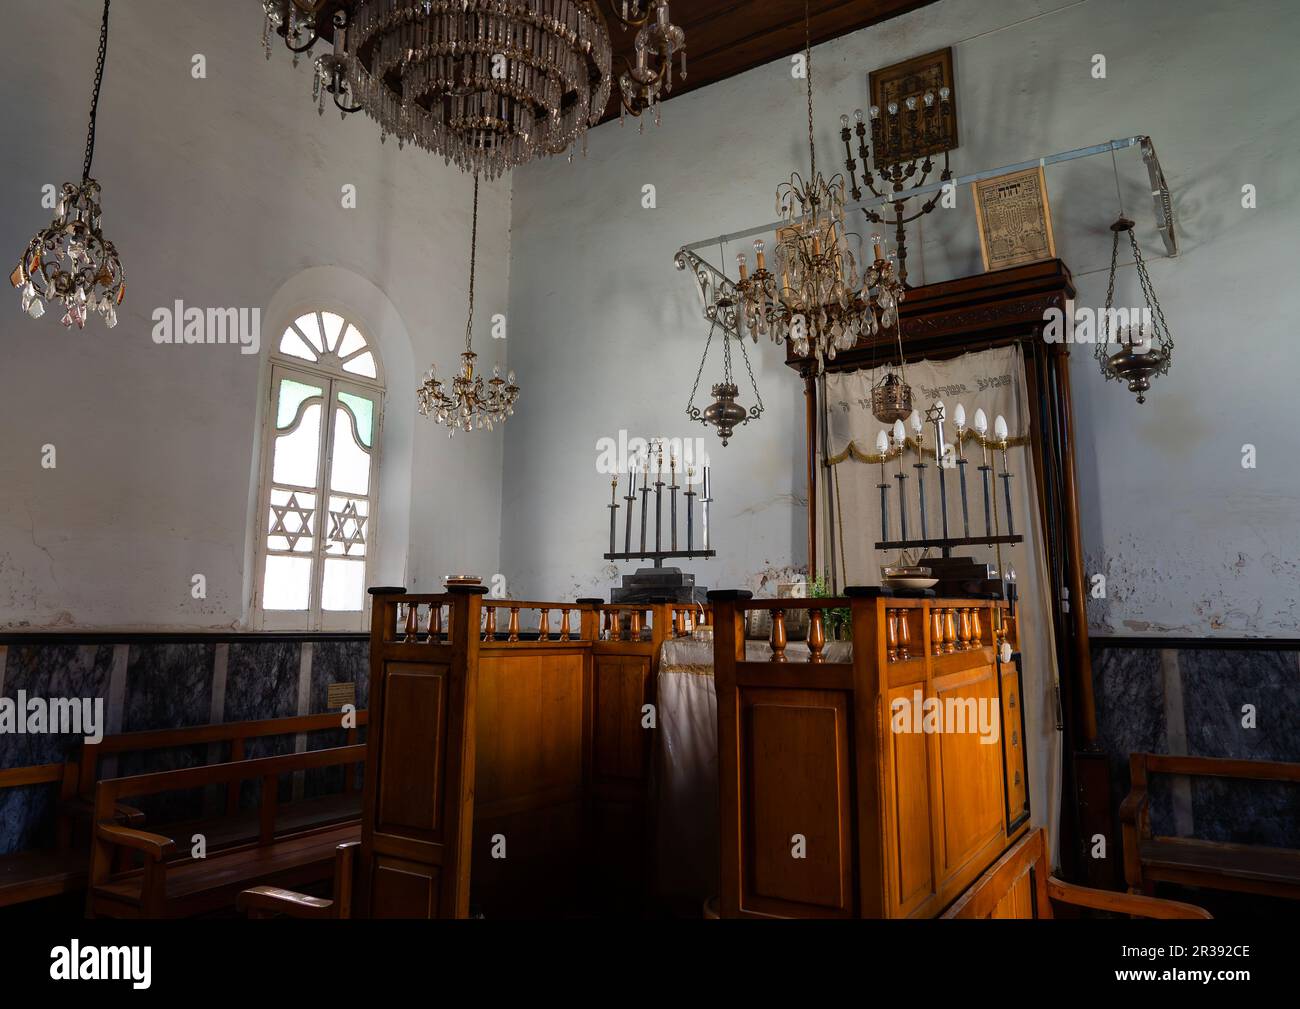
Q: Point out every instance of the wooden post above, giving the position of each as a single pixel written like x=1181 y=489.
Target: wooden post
x=514 y=624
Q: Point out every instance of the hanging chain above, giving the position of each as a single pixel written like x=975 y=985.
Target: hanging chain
x=692 y=410
x=807 y=69
x=755 y=411
x=94 y=99
x=1162 y=330
x=1101 y=352
x=473 y=254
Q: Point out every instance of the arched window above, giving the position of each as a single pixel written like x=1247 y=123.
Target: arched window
x=319 y=476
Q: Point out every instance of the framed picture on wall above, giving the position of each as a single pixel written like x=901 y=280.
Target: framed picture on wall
x=1015 y=220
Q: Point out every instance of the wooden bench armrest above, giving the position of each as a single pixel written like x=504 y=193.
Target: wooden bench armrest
x=84 y=808
x=265 y=901
x=1123 y=903
x=1131 y=809
x=155 y=846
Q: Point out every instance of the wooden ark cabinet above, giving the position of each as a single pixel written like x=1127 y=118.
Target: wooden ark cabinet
x=827 y=811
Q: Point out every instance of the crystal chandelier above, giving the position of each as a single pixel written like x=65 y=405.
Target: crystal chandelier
x=71 y=262
x=644 y=83
x=488 y=84
x=820 y=303
x=1146 y=347
x=470 y=402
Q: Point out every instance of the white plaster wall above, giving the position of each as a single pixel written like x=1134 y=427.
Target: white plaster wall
x=607 y=335
x=219 y=192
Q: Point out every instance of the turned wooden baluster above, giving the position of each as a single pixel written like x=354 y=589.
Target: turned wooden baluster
x=514 y=624
x=604 y=625
x=434 y=625
x=891 y=635
x=778 y=639
x=564 y=624
x=543 y=624
x=412 y=622
x=677 y=622
x=936 y=632
x=635 y=630
x=490 y=623
x=963 y=629
x=616 y=625
x=904 y=635
x=976 y=629
x=949 y=631
x=816 y=636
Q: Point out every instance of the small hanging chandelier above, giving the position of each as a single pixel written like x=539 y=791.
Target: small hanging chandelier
x=71 y=262
x=724 y=412
x=820 y=303
x=644 y=83
x=1146 y=347
x=468 y=404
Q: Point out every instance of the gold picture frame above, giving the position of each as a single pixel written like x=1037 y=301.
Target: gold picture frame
x=912 y=79
x=1014 y=218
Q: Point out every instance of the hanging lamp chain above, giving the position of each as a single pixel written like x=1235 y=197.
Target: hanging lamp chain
x=94 y=99
x=473 y=255
x=807 y=67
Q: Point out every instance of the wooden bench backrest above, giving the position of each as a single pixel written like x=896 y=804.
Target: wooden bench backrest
x=39 y=774
x=1141 y=764
x=234 y=733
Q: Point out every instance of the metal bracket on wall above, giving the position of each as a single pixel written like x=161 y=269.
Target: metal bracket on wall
x=1159 y=193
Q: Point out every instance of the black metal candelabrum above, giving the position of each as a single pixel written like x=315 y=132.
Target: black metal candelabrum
x=658 y=554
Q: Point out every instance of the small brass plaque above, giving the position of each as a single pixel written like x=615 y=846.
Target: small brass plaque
x=340 y=694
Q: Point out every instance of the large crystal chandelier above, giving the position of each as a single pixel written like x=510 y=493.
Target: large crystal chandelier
x=70 y=262
x=818 y=302
x=488 y=84
x=470 y=402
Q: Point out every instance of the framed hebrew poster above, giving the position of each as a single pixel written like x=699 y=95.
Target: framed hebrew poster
x=1015 y=221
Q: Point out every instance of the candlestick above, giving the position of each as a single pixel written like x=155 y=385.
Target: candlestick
x=705 y=500
x=613 y=511
x=1000 y=432
x=919 y=466
x=900 y=437
x=690 y=510
x=959 y=418
x=659 y=504
x=882 y=449
x=981 y=426
x=631 y=500
x=645 y=496
x=672 y=466
x=941 y=452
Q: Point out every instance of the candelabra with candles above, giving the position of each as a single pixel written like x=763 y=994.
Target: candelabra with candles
x=953 y=573
x=903 y=138
x=659 y=583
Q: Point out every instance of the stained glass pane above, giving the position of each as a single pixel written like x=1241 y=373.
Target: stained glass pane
x=333 y=326
x=309 y=326
x=363 y=410
x=363 y=364
x=291 y=343
x=291 y=396
x=350 y=472
x=287 y=583
x=352 y=342
x=345 y=585
x=297 y=453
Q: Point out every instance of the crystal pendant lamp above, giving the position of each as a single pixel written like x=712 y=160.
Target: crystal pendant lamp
x=470 y=402
x=71 y=263
x=488 y=84
x=649 y=75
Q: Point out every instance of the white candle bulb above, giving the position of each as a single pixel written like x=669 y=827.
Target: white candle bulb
x=899 y=434
x=981 y=423
x=943 y=411
x=915 y=422
x=882 y=443
x=959 y=416
x=1000 y=428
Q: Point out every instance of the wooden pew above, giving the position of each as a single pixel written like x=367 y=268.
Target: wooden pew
x=165 y=886
x=893 y=824
x=1020 y=885
x=1190 y=861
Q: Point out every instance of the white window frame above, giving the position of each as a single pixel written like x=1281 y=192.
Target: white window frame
x=333 y=379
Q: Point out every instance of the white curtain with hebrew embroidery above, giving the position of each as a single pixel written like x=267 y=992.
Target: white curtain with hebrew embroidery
x=991 y=380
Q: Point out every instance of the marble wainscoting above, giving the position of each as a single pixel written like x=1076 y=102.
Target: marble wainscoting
x=1204 y=701
x=170 y=681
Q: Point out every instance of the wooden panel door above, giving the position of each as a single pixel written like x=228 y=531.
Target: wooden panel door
x=418 y=813
x=620 y=746
x=795 y=802
x=909 y=852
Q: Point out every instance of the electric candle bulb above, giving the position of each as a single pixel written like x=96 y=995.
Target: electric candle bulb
x=915 y=422
x=874 y=112
x=981 y=423
x=882 y=443
x=857 y=115
x=959 y=416
x=943 y=410
x=899 y=434
x=844 y=122
x=1000 y=428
